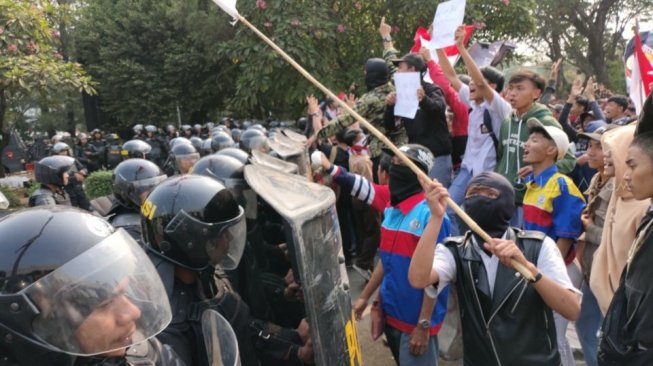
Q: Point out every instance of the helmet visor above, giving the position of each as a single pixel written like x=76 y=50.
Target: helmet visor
x=219 y=244
x=141 y=188
x=106 y=299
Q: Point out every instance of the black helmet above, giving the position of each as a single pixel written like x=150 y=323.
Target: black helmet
x=150 y=128
x=221 y=141
x=419 y=154
x=178 y=140
x=50 y=170
x=236 y=133
x=63 y=270
x=301 y=123
x=253 y=139
x=226 y=169
x=135 y=149
x=236 y=153
x=194 y=222
x=197 y=143
x=134 y=177
x=59 y=147
x=183 y=151
x=376 y=73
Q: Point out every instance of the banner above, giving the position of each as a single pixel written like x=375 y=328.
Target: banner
x=637 y=62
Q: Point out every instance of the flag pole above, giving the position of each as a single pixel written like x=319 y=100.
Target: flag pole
x=462 y=214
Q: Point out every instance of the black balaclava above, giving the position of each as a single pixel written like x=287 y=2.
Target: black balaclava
x=403 y=183
x=376 y=73
x=492 y=215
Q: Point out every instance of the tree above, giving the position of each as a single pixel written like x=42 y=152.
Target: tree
x=587 y=32
x=30 y=64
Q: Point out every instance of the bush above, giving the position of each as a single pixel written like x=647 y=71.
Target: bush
x=98 y=184
x=11 y=196
x=33 y=186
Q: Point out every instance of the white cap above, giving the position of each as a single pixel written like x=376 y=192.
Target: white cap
x=554 y=133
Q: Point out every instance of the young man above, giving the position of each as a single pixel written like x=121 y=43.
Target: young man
x=524 y=88
x=593 y=218
x=627 y=337
x=413 y=318
x=553 y=205
x=487 y=110
x=507 y=319
x=615 y=110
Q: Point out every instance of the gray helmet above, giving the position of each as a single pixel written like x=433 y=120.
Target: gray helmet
x=135 y=149
x=50 y=170
x=59 y=147
x=253 y=139
x=138 y=128
x=134 y=177
x=236 y=153
x=151 y=128
x=197 y=143
x=221 y=141
x=179 y=140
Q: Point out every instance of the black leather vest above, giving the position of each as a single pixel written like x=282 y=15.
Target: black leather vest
x=514 y=326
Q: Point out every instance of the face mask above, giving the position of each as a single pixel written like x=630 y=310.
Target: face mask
x=490 y=215
x=403 y=184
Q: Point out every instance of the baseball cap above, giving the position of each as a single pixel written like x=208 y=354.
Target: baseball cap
x=557 y=135
x=412 y=59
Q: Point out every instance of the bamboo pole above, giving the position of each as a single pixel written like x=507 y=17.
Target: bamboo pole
x=468 y=220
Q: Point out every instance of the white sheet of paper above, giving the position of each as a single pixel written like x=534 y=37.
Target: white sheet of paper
x=448 y=16
x=407 y=84
x=229 y=6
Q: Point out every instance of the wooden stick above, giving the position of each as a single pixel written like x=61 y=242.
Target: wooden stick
x=468 y=220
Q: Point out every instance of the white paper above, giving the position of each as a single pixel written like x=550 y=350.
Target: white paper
x=229 y=6
x=448 y=16
x=407 y=84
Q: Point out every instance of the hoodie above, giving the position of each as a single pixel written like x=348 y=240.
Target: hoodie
x=513 y=136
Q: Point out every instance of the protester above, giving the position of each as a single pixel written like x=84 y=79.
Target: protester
x=507 y=319
x=615 y=110
x=524 y=88
x=593 y=218
x=487 y=111
x=412 y=317
x=626 y=332
x=553 y=205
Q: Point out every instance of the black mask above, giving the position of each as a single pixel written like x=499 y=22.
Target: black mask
x=492 y=215
x=403 y=183
x=376 y=73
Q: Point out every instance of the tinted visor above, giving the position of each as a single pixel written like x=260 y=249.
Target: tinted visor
x=107 y=298
x=143 y=186
x=219 y=244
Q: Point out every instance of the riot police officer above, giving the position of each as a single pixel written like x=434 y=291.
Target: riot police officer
x=182 y=158
x=235 y=153
x=101 y=146
x=52 y=173
x=135 y=149
x=87 y=154
x=186 y=131
x=76 y=177
x=113 y=150
x=254 y=139
x=132 y=181
x=221 y=140
x=159 y=153
x=171 y=133
x=77 y=292
x=138 y=132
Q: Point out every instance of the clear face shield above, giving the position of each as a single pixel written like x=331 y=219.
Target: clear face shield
x=106 y=299
x=185 y=162
x=139 y=189
x=221 y=243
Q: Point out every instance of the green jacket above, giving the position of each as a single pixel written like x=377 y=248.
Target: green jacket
x=513 y=136
x=370 y=106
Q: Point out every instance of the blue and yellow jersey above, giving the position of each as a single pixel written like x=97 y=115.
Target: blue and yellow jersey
x=553 y=205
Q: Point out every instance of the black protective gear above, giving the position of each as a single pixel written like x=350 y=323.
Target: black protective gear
x=253 y=139
x=135 y=149
x=376 y=73
x=134 y=177
x=194 y=222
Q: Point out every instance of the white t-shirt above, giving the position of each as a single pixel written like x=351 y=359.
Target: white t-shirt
x=549 y=263
x=479 y=152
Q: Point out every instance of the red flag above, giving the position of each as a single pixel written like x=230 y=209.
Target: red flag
x=423 y=34
x=645 y=68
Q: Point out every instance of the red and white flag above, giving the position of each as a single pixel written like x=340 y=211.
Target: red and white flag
x=423 y=38
x=638 y=56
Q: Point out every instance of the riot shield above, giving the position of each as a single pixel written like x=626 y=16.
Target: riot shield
x=219 y=339
x=315 y=246
x=262 y=159
x=294 y=135
x=292 y=151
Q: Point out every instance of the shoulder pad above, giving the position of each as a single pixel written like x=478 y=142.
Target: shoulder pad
x=530 y=234
x=454 y=240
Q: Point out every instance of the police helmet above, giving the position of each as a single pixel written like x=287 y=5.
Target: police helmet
x=236 y=133
x=134 y=177
x=221 y=141
x=50 y=170
x=246 y=124
x=150 y=128
x=179 y=140
x=236 y=153
x=197 y=143
x=81 y=136
x=259 y=127
x=197 y=127
x=171 y=129
x=138 y=128
x=194 y=222
x=186 y=127
x=253 y=139
x=301 y=123
x=135 y=149
x=59 y=147
x=183 y=151
x=63 y=272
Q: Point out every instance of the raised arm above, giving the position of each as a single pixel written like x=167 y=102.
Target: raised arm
x=448 y=70
x=474 y=72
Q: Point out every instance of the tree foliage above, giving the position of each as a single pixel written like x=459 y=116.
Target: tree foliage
x=30 y=62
